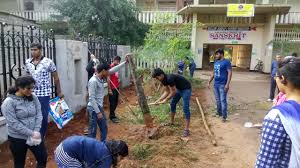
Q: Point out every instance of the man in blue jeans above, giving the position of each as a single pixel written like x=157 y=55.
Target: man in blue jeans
x=222 y=76
x=274 y=68
x=43 y=69
x=96 y=91
x=176 y=86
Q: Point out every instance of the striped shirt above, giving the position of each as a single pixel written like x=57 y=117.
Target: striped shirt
x=63 y=160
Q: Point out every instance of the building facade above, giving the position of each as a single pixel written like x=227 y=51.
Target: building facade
x=245 y=40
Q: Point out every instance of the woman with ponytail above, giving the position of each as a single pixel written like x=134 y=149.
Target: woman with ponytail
x=85 y=152
x=280 y=143
x=22 y=111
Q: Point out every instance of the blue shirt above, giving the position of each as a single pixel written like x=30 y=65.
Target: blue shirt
x=221 y=68
x=88 y=150
x=274 y=68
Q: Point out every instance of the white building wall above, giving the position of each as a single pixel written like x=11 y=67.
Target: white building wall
x=295 y=5
x=7 y=5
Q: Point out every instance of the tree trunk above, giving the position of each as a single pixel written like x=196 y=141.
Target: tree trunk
x=140 y=93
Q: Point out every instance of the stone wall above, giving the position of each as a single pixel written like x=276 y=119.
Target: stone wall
x=72 y=58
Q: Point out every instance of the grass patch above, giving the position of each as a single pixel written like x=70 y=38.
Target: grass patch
x=159 y=112
x=197 y=83
x=143 y=151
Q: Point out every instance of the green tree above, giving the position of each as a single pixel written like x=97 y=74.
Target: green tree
x=114 y=19
x=166 y=42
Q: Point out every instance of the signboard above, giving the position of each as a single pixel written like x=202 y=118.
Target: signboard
x=240 y=10
x=227 y=35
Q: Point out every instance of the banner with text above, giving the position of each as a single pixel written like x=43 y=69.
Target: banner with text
x=227 y=35
x=240 y=10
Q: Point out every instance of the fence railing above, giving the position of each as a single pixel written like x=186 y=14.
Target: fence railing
x=150 y=17
x=290 y=18
x=291 y=35
x=15 y=41
x=151 y=64
x=244 y=1
x=104 y=49
x=38 y=15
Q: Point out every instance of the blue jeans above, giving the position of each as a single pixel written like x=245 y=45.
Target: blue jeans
x=45 y=112
x=221 y=100
x=186 y=96
x=94 y=120
x=272 y=88
x=192 y=68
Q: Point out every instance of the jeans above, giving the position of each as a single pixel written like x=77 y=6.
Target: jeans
x=45 y=112
x=192 y=69
x=186 y=96
x=221 y=100
x=272 y=88
x=94 y=121
x=113 y=103
x=19 y=148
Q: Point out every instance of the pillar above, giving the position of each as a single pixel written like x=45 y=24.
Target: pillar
x=194 y=46
x=269 y=30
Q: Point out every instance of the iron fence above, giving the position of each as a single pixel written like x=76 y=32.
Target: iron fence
x=15 y=41
x=104 y=49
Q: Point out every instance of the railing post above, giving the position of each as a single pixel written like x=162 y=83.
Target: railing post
x=2 y=36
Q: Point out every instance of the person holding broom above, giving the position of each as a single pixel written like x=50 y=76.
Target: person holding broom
x=96 y=91
x=176 y=87
x=85 y=152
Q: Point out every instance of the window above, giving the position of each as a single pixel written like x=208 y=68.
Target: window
x=29 y=6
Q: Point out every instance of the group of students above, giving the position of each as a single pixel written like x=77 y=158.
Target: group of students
x=26 y=109
x=27 y=113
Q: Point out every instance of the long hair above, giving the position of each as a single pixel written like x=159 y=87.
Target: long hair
x=117 y=148
x=21 y=82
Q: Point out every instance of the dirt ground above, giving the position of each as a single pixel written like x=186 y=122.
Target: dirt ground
x=237 y=146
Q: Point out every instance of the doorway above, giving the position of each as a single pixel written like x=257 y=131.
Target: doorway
x=238 y=54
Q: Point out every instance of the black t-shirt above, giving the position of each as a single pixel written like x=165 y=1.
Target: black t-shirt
x=176 y=80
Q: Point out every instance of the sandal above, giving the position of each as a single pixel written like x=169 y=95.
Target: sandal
x=186 y=133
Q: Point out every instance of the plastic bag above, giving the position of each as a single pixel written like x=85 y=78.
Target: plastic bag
x=33 y=142
x=60 y=112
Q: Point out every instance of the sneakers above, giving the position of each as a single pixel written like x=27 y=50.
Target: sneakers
x=270 y=100
x=115 y=120
x=186 y=133
x=224 y=120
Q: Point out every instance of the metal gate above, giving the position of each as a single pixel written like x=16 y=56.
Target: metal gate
x=15 y=43
x=104 y=49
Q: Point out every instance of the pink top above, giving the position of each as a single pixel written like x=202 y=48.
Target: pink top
x=280 y=98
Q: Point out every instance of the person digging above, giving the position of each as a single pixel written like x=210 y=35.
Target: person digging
x=175 y=88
